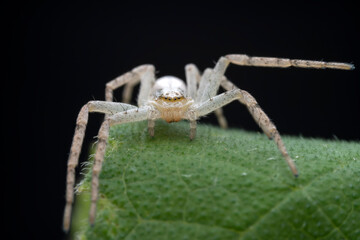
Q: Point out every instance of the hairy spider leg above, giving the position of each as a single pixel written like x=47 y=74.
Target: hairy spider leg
x=75 y=150
x=245 y=60
x=202 y=83
x=192 y=79
x=213 y=80
x=144 y=73
x=132 y=115
x=209 y=86
x=258 y=114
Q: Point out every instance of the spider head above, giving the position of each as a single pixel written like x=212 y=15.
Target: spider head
x=169 y=89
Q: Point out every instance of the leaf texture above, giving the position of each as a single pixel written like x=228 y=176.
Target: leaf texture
x=225 y=184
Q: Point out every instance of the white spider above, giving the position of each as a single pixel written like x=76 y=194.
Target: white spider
x=170 y=99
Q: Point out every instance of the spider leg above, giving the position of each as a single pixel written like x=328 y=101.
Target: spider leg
x=209 y=86
x=132 y=115
x=201 y=96
x=227 y=85
x=203 y=84
x=129 y=79
x=145 y=74
x=258 y=114
x=210 y=81
x=109 y=107
x=128 y=90
x=152 y=116
x=193 y=125
x=75 y=149
x=213 y=81
x=81 y=122
x=244 y=60
x=192 y=78
x=219 y=113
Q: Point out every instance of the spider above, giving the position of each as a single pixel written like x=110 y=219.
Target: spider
x=169 y=98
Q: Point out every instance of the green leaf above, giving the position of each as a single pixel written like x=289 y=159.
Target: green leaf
x=225 y=184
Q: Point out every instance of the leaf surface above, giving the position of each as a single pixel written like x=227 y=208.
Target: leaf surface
x=225 y=184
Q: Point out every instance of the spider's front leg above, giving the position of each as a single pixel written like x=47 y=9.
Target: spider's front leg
x=82 y=119
x=132 y=115
x=258 y=114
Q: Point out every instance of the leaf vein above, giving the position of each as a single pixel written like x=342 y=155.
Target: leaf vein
x=277 y=205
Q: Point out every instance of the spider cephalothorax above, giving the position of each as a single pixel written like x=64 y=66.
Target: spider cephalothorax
x=169 y=98
x=169 y=88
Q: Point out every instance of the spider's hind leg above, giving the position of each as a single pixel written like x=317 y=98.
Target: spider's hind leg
x=143 y=73
x=219 y=113
x=202 y=96
x=81 y=122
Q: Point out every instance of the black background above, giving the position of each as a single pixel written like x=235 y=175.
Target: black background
x=61 y=54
